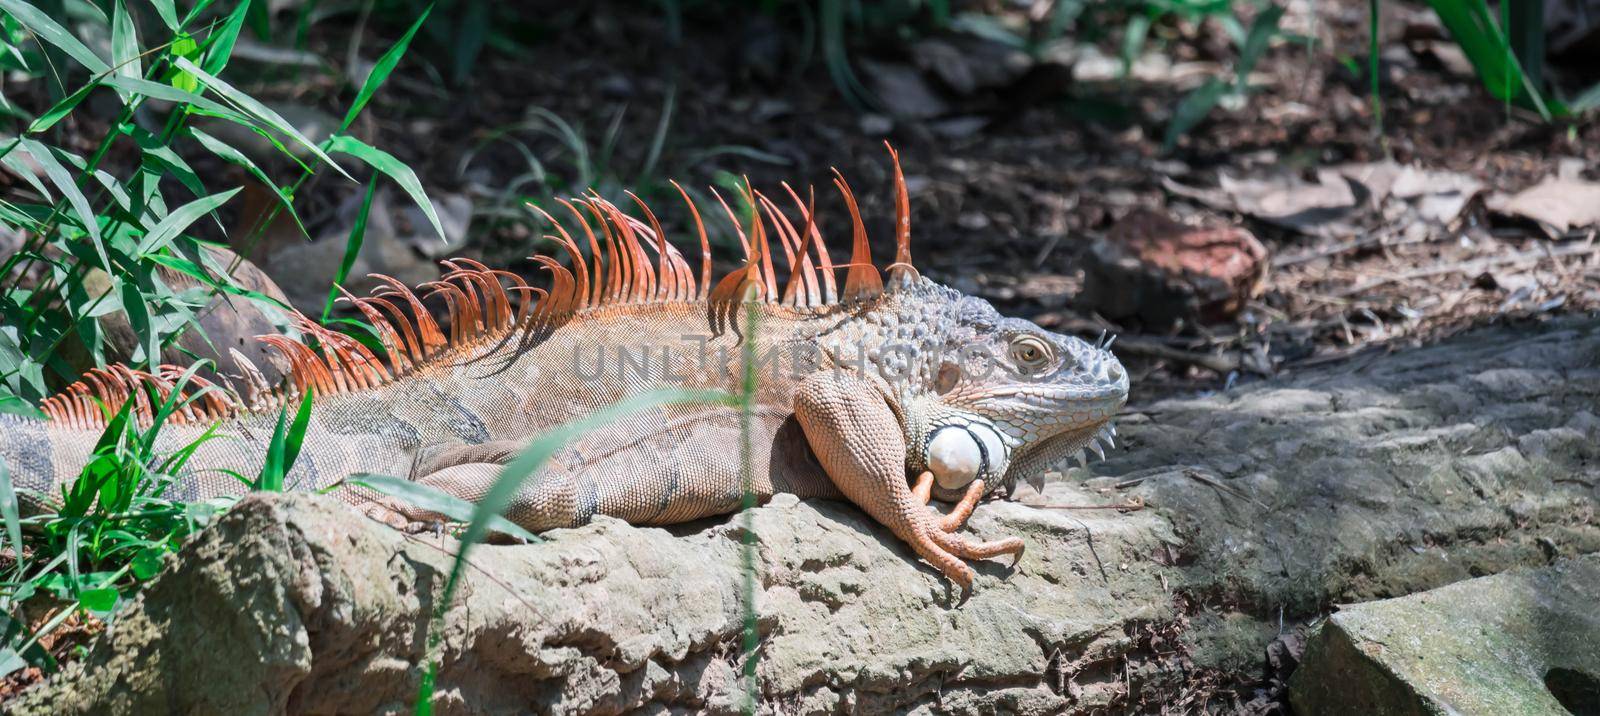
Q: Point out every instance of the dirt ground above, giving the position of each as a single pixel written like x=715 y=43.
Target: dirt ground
x=1015 y=179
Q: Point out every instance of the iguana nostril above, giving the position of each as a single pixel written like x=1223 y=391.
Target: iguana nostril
x=1115 y=371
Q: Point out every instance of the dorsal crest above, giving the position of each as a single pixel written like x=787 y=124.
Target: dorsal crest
x=628 y=261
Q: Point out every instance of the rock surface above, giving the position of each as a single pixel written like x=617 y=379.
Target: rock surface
x=1387 y=475
x=1522 y=642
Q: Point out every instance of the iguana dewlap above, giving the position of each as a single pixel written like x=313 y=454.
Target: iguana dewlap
x=885 y=390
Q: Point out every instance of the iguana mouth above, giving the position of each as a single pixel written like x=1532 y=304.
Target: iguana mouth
x=1049 y=453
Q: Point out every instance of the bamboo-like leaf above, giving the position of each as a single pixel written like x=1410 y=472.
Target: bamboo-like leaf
x=283 y=448
x=168 y=12
x=380 y=71
x=193 y=270
x=168 y=93
x=352 y=249
x=9 y=509
x=180 y=219
x=393 y=168
x=1261 y=31
x=25 y=173
x=60 y=109
x=50 y=31
x=234 y=156
x=64 y=182
x=219 y=47
x=138 y=312
x=124 y=43
x=158 y=153
x=433 y=499
x=1192 y=109
x=250 y=106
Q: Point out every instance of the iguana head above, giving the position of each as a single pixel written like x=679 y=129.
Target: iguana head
x=1002 y=399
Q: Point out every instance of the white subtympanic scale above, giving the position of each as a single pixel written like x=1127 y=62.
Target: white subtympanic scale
x=954 y=457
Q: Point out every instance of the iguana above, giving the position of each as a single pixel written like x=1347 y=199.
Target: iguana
x=886 y=389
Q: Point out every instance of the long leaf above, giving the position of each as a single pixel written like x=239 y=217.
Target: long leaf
x=193 y=270
x=60 y=109
x=1192 y=109
x=219 y=47
x=532 y=458
x=433 y=499
x=380 y=71
x=124 y=43
x=234 y=156
x=9 y=510
x=166 y=92
x=52 y=32
x=394 y=168
x=180 y=219
x=64 y=182
x=168 y=12
x=524 y=466
x=250 y=106
x=352 y=249
x=297 y=433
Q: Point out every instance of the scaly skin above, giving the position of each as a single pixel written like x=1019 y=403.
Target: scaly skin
x=855 y=392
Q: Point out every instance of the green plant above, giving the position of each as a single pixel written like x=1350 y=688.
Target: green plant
x=128 y=212
x=487 y=512
x=1195 y=106
x=110 y=532
x=1509 y=75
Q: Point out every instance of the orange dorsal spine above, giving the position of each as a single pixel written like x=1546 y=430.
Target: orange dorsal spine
x=492 y=307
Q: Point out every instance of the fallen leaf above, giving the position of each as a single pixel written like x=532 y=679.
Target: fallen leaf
x=1557 y=205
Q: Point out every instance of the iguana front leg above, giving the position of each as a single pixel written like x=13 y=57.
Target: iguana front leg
x=856 y=436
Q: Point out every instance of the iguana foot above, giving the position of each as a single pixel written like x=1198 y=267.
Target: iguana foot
x=957 y=517
x=858 y=441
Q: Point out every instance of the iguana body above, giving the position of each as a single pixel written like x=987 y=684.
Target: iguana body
x=851 y=376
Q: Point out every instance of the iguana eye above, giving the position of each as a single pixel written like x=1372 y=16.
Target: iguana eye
x=1030 y=353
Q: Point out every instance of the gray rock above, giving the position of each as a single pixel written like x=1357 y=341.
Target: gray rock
x=1382 y=477
x=1523 y=642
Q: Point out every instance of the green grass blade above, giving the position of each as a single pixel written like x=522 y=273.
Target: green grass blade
x=284 y=447
x=381 y=70
x=62 y=179
x=1261 y=32
x=10 y=510
x=271 y=477
x=219 y=47
x=138 y=312
x=124 y=43
x=352 y=249
x=238 y=158
x=60 y=110
x=168 y=12
x=435 y=500
x=297 y=433
x=393 y=168
x=524 y=466
x=1194 y=107
x=180 y=219
x=168 y=93
x=1474 y=28
x=193 y=270
x=50 y=31
x=22 y=170
x=250 y=106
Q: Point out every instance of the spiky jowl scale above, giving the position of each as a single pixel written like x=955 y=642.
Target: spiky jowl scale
x=860 y=383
